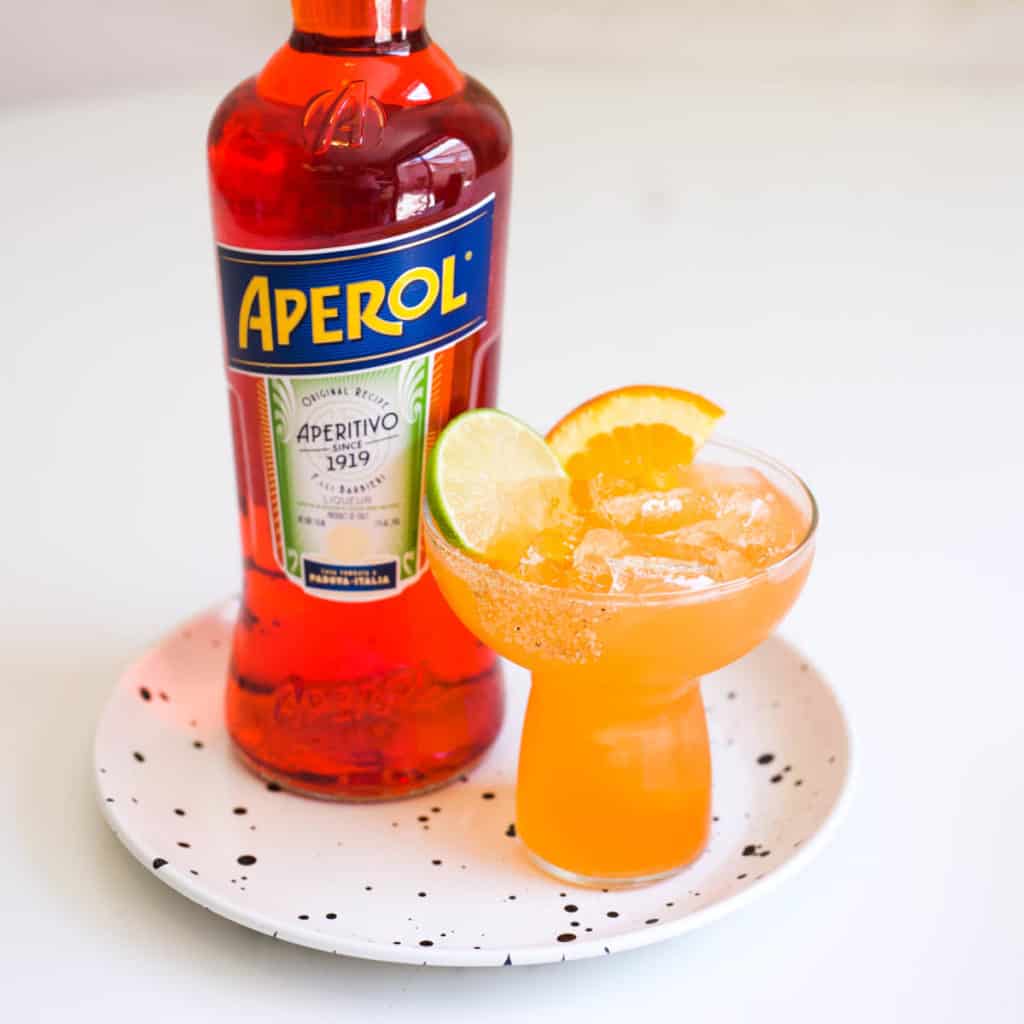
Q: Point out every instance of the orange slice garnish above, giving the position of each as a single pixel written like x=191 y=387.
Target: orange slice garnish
x=641 y=434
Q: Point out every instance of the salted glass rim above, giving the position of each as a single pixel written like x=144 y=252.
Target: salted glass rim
x=715 y=590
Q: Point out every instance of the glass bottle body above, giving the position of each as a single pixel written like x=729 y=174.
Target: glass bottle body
x=341 y=141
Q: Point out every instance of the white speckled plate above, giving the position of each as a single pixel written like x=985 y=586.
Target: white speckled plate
x=441 y=879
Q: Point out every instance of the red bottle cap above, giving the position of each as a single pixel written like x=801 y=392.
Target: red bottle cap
x=381 y=20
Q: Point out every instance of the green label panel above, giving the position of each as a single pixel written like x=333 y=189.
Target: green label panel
x=346 y=479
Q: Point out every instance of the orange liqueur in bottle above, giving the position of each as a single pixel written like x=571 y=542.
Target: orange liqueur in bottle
x=360 y=187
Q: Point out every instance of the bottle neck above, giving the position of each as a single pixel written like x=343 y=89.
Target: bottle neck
x=359 y=26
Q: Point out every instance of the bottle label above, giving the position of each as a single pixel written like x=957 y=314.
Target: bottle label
x=354 y=345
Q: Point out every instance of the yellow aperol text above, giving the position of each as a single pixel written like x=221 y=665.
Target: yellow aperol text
x=338 y=312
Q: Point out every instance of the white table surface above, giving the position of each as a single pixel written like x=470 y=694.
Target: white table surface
x=839 y=266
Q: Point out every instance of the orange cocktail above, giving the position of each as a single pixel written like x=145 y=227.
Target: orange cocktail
x=618 y=609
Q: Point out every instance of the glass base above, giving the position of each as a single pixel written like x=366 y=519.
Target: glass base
x=595 y=882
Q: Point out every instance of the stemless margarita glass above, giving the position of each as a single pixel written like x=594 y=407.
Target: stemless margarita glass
x=614 y=785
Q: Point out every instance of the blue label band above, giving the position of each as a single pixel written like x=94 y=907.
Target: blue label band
x=322 y=576
x=357 y=307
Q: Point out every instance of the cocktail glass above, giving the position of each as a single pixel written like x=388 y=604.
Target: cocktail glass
x=614 y=785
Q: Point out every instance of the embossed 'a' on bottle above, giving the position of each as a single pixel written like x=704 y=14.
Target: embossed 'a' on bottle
x=360 y=188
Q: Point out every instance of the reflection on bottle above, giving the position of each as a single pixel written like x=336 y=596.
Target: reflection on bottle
x=434 y=177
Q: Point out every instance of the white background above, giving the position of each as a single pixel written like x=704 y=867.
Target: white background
x=824 y=236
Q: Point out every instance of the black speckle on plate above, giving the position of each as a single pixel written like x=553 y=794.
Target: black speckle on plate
x=138 y=756
x=776 y=778
x=158 y=863
x=198 y=744
x=766 y=759
x=246 y=860
x=240 y=810
x=612 y=913
x=426 y=942
x=571 y=908
x=651 y=920
x=274 y=787
x=332 y=916
x=567 y=937
x=144 y=693
x=179 y=812
x=511 y=831
x=488 y=796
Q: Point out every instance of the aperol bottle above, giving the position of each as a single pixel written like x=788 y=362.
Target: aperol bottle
x=360 y=188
